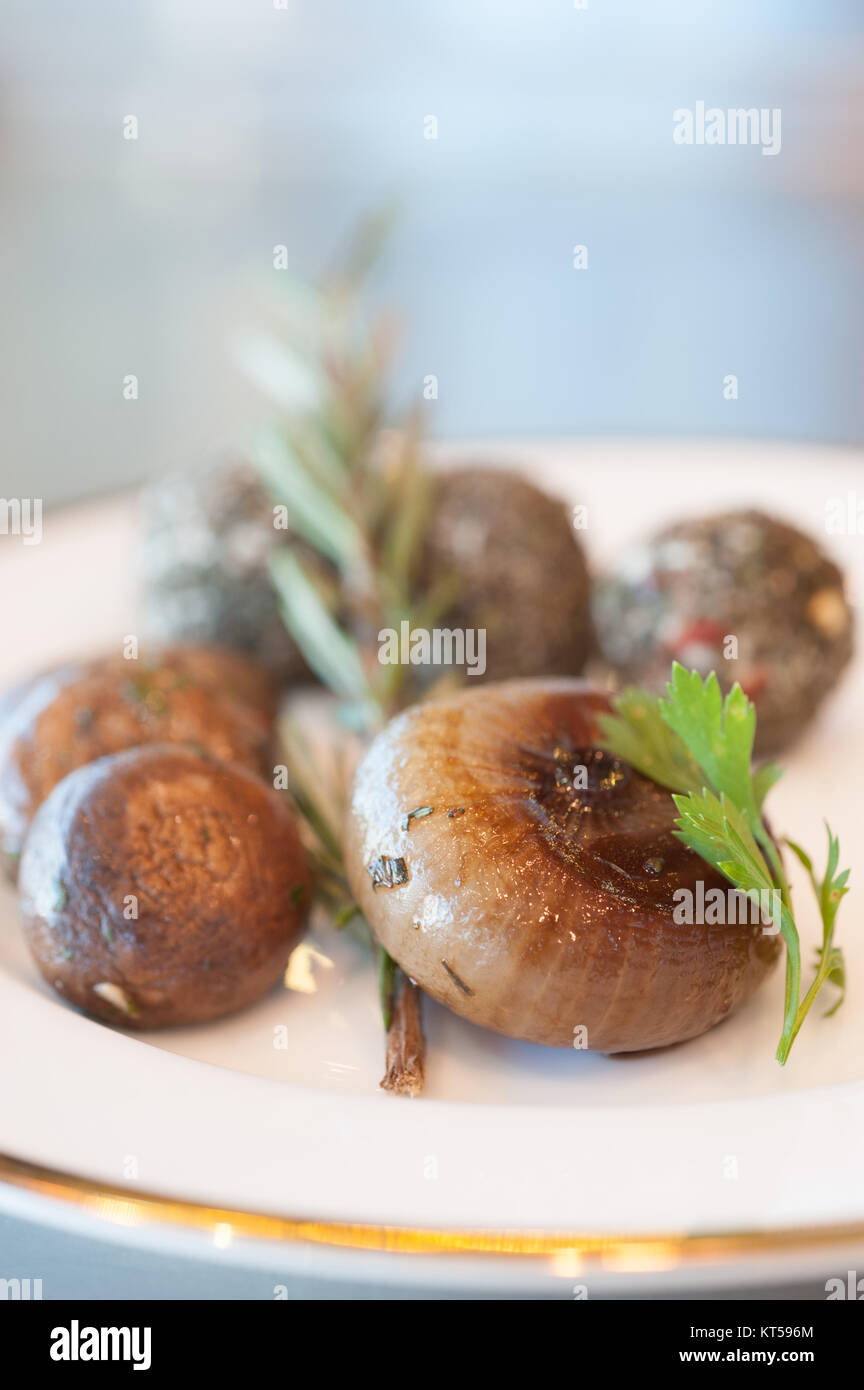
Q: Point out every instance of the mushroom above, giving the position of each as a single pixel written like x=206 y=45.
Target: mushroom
x=528 y=880
x=741 y=594
x=207 y=539
x=162 y=887
x=215 y=701
x=517 y=568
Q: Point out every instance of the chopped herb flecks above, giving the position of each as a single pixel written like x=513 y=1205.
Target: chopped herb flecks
x=145 y=693
x=466 y=989
x=388 y=872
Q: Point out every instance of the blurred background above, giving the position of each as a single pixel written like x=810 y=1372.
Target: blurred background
x=263 y=124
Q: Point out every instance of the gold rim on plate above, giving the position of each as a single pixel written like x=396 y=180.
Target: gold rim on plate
x=569 y=1253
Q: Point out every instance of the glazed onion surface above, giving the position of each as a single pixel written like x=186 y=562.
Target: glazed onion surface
x=526 y=901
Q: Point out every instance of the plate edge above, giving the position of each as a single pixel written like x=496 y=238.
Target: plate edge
x=611 y=1251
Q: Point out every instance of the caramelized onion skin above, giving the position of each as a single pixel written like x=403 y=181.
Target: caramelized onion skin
x=532 y=905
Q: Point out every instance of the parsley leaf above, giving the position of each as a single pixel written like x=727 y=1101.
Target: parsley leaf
x=639 y=734
x=700 y=746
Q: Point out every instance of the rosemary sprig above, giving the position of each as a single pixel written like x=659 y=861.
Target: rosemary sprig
x=700 y=746
x=355 y=497
x=320 y=796
x=356 y=503
x=405 y=1073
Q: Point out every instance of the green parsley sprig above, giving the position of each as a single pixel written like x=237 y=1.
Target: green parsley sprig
x=700 y=746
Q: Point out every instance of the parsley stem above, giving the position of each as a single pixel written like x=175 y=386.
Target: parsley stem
x=792 y=1016
x=761 y=833
x=819 y=979
x=791 y=1011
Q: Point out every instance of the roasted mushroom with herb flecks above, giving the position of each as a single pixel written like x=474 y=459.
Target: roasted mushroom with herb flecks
x=207 y=537
x=160 y=887
x=78 y=714
x=517 y=568
x=739 y=593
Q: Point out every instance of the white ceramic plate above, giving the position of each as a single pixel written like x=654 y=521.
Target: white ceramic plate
x=521 y=1165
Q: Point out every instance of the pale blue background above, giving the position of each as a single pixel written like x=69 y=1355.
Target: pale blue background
x=260 y=126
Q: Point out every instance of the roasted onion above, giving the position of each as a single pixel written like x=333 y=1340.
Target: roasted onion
x=526 y=901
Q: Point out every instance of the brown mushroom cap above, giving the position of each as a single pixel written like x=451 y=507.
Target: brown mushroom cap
x=228 y=672
x=519 y=571
x=13 y=696
x=740 y=593
x=78 y=714
x=206 y=541
x=160 y=887
x=524 y=903
x=216 y=668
